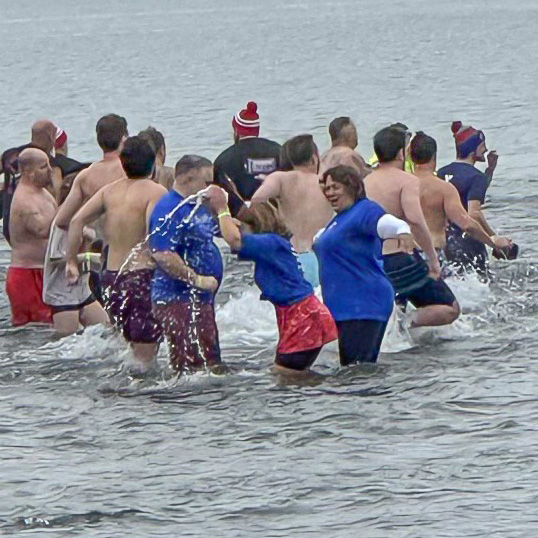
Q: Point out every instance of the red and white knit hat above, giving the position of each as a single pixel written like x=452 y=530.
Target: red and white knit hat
x=60 y=138
x=247 y=122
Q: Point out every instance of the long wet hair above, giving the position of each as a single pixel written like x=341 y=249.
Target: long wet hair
x=349 y=178
x=265 y=218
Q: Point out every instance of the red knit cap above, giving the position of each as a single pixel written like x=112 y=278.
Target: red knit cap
x=247 y=122
x=60 y=138
x=467 y=138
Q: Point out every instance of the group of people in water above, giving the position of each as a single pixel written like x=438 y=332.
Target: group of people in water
x=131 y=242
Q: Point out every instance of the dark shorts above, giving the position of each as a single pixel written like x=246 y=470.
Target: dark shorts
x=409 y=277
x=300 y=360
x=359 y=340
x=70 y=308
x=128 y=304
x=191 y=332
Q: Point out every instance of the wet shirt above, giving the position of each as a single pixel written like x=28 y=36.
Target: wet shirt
x=470 y=182
x=353 y=282
x=56 y=290
x=243 y=163
x=277 y=272
x=190 y=235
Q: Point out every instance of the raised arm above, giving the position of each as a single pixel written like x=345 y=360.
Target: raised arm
x=410 y=201
x=72 y=203
x=228 y=229
x=89 y=212
x=269 y=189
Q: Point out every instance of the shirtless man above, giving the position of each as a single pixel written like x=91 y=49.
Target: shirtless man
x=125 y=206
x=440 y=200
x=344 y=141
x=43 y=137
x=302 y=204
x=164 y=175
x=32 y=211
x=398 y=193
x=111 y=133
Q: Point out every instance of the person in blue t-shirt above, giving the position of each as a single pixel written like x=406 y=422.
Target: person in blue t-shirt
x=305 y=325
x=462 y=250
x=189 y=269
x=353 y=282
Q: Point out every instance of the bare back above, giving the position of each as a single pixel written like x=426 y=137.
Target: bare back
x=343 y=155
x=433 y=192
x=99 y=174
x=385 y=186
x=128 y=204
x=303 y=206
x=32 y=212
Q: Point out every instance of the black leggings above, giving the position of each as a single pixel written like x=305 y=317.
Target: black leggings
x=359 y=340
x=300 y=360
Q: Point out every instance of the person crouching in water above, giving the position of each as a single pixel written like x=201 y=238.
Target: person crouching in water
x=305 y=325
x=355 y=288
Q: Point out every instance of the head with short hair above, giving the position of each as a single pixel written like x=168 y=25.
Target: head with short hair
x=349 y=178
x=137 y=158
x=389 y=144
x=44 y=135
x=343 y=132
x=423 y=149
x=301 y=150
x=156 y=141
x=35 y=167
x=111 y=132
x=193 y=173
x=265 y=218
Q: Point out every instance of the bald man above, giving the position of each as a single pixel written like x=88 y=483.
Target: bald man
x=43 y=137
x=344 y=141
x=32 y=211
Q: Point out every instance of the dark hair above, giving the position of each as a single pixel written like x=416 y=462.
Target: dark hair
x=265 y=218
x=110 y=130
x=191 y=162
x=285 y=164
x=401 y=126
x=423 y=148
x=349 y=177
x=154 y=137
x=337 y=126
x=300 y=150
x=388 y=142
x=137 y=158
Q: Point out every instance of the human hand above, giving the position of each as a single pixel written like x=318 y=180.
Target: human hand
x=501 y=242
x=217 y=198
x=492 y=160
x=435 y=268
x=89 y=234
x=72 y=273
x=207 y=283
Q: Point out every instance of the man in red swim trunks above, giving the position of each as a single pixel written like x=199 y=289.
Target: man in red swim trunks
x=32 y=211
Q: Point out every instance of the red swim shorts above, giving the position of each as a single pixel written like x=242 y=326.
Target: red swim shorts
x=24 y=288
x=304 y=325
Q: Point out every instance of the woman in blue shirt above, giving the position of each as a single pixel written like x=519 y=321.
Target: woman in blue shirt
x=354 y=285
x=305 y=325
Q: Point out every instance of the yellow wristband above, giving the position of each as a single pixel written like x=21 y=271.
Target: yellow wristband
x=197 y=281
x=225 y=213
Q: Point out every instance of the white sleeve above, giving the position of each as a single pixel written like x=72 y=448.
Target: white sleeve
x=389 y=227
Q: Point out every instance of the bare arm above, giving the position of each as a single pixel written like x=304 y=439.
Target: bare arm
x=56 y=183
x=456 y=213
x=270 y=188
x=89 y=212
x=412 y=210
x=160 y=191
x=172 y=263
x=72 y=203
x=475 y=212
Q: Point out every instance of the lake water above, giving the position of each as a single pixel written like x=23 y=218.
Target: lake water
x=438 y=440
